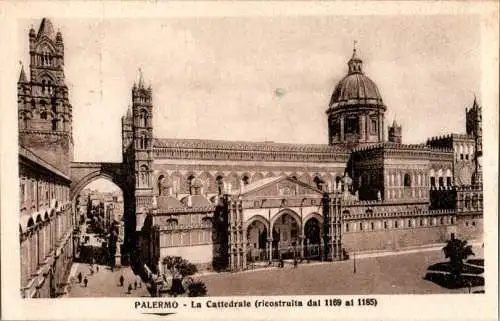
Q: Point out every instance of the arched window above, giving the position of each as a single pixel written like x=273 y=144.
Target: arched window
x=318 y=182
x=144 y=118
x=219 y=182
x=337 y=182
x=407 y=180
x=160 y=184
x=190 y=180
x=246 y=180
x=172 y=223
x=441 y=182
x=144 y=175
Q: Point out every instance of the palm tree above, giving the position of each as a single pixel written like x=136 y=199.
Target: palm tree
x=457 y=251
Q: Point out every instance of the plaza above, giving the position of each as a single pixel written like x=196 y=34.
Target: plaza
x=389 y=274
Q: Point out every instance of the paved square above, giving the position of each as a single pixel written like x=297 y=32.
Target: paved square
x=393 y=274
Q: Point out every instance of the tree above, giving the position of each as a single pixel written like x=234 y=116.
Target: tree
x=197 y=288
x=180 y=269
x=457 y=251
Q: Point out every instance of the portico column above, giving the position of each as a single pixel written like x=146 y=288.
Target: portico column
x=301 y=240
x=342 y=128
x=270 y=246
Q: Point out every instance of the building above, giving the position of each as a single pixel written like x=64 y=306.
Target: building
x=223 y=204
x=45 y=152
x=226 y=205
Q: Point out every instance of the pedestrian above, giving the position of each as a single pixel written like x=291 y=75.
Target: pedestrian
x=121 y=280
x=129 y=288
x=85 y=281
x=80 y=277
x=135 y=285
x=295 y=263
x=91 y=271
x=97 y=268
x=140 y=284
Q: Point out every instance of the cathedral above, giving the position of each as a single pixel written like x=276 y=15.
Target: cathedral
x=229 y=205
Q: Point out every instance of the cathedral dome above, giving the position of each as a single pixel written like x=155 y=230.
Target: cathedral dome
x=355 y=88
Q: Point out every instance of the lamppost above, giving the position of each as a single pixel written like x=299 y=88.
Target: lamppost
x=354 y=257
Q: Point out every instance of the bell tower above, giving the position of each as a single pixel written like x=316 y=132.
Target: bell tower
x=45 y=114
x=474 y=128
x=142 y=136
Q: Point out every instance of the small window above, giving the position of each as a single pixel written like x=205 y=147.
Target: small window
x=421 y=222
x=466 y=156
x=372 y=225
x=466 y=223
x=396 y=224
x=441 y=221
x=385 y=225
x=347 y=227
x=409 y=223
x=462 y=156
x=407 y=180
x=473 y=223
x=360 y=226
x=43 y=115
x=433 y=181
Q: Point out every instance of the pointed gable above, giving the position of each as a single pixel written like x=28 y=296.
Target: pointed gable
x=279 y=186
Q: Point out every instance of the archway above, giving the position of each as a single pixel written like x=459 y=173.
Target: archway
x=99 y=208
x=257 y=241
x=285 y=235
x=312 y=239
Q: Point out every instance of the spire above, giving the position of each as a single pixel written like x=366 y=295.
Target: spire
x=355 y=63
x=475 y=104
x=22 y=75
x=394 y=122
x=46 y=28
x=141 y=79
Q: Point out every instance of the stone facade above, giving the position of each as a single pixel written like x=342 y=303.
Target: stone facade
x=229 y=204
x=45 y=227
x=45 y=153
x=269 y=201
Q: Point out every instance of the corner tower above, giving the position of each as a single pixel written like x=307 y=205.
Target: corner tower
x=44 y=111
x=356 y=110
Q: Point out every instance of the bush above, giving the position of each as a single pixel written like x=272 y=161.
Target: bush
x=197 y=288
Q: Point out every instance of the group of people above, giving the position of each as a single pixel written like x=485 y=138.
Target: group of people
x=84 y=278
x=122 y=280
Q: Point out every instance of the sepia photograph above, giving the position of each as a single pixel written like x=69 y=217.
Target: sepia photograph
x=255 y=160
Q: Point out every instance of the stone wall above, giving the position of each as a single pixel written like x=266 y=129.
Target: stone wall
x=395 y=239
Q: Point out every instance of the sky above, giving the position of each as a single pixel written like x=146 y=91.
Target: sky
x=216 y=77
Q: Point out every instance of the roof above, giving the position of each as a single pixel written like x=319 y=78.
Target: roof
x=243 y=145
x=46 y=28
x=273 y=180
x=196 y=201
x=168 y=202
x=356 y=89
x=31 y=156
x=260 y=183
